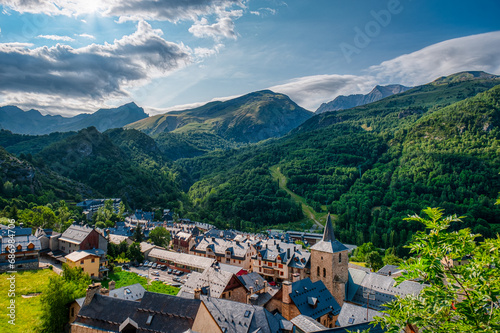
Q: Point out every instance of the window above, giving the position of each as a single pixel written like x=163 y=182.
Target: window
x=317 y=270
x=239 y=261
x=72 y=312
x=19 y=247
x=81 y=262
x=31 y=246
x=281 y=273
x=324 y=272
x=340 y=257
x=247 y=314
x=93 y=260
x=92 y=275
x=280 y=266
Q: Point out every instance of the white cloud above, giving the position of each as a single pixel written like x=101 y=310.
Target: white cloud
x=223 y=28
x=171 y=10
x=472 y=53
x=155 y=111
x=89 y=74
x=310 y=91
x=87 y=36
x=56 y=37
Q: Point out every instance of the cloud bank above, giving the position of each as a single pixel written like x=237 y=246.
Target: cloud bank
x=95 y=72
x=472 y=53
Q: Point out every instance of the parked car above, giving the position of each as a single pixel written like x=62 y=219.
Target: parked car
x=179 y=273
x=164 y=268
x=150 y=264
x=154 y=265
x=157 y=279
x=146 y=262
x=170 y=270
x=156 y=273
x=141 y=264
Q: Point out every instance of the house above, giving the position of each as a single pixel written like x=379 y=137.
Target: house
x=180 y=261
x=92 y=262
x=183 y=241
x=258 y=290
x=374 y=290
x=216 y=283
x=20 y=243
x=278 y=260
x=154 y=313
x=352 y=314
x=80 y=238
x=235 y=317
x=307 y=238
x=146 y=248
x=133 y=292
x=117 y=239
x=308 y=298
x=49 y=239
x=90 y=206
x=225 y=251
x=390 y=270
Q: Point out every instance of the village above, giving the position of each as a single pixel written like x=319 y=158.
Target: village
x=229 y=281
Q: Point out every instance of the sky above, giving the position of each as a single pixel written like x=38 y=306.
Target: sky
x=69 y=56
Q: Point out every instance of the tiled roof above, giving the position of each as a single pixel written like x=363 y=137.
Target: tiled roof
x=182 y=258
x=231 y=268
x=352 y=314
x=289 y=254
x=303 y=291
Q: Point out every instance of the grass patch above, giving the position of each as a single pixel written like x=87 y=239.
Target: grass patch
x=362 y=264
x=28 y=310
x=125 y=278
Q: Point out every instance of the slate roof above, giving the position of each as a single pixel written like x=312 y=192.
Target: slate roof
x=355 y=328
x=22 y=237
x=145 y=246
x=290 y=254
x=232 y=268
x=303 y=291
x=165 y=313
x=213 y=281
x=217 y=233
x=329 y=243
x=238 y=317
x=352 y=314
x=355 y=278
x=182 y=258
x=117 y=239
x=75 y=234
x=133 y=292
x=389 y=268
x=366 y=269
x=219 y=246
x=253 y=280
x=382 y=289
x=79 y=255
x=307 y=324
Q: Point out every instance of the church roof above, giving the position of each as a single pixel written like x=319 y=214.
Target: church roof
x=329 y=243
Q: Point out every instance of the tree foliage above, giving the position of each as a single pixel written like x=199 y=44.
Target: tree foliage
x=457 y=298
x=160 y=236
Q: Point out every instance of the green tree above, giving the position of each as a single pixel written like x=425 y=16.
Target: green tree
x=134 y=252
x=160 y=236
x=138 y=236
x=458 y=298
x=374 y=260
x=60 y=291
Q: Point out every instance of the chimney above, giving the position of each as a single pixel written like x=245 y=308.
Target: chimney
x=286 y=291
x=390 y=273
x=251 y=290
x=265 y=286
x=104 y=292
x=288 y=253
x=295 y=277
x=111 y=285
x=197 y=293
x=91 y=291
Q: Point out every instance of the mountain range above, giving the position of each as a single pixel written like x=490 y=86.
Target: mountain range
x=346 y=102
x=433 y=145
x=33 y=122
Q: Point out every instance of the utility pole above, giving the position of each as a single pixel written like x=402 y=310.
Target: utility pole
x=369 y=295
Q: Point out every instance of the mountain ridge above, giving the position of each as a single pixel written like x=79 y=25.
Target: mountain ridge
x=343 y=102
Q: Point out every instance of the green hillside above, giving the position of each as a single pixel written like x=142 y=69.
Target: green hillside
x=371 y=165
x=249 y=118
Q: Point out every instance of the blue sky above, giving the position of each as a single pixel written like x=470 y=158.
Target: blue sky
x=68 y=56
